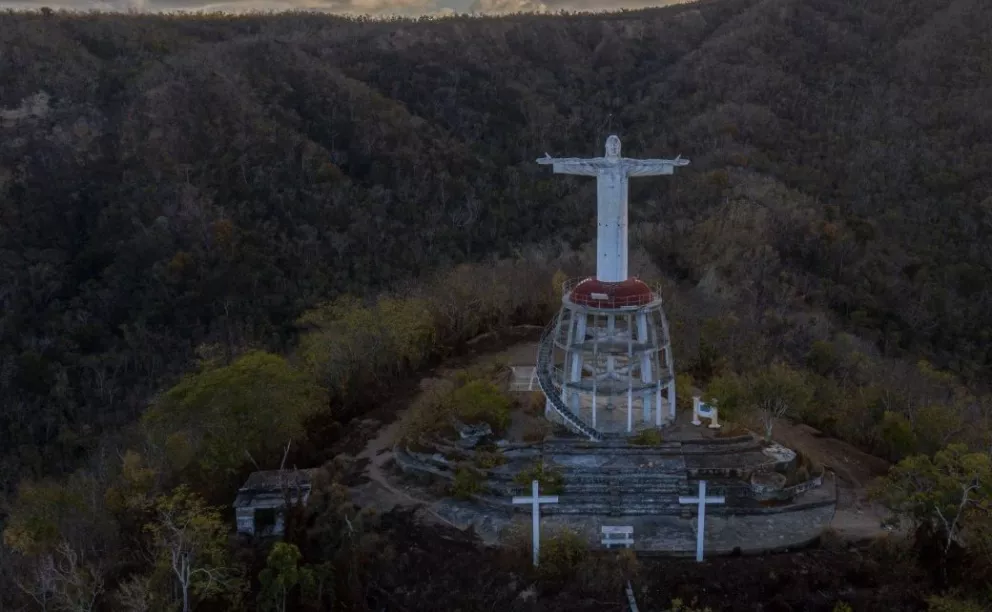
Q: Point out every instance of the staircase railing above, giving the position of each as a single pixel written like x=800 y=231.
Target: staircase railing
x=551 y=389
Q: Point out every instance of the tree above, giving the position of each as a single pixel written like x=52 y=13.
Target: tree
x=131 y=493
x=219 y=416
x=283 y=574
x=41 y=516
x=775 y=392
x=952 y=604
x=136 y=594
x=949 y=495
x=350 y=346
x=190 y=542
x=65 y=580
x=729 y=391
x=480 y=401
x=48 y=513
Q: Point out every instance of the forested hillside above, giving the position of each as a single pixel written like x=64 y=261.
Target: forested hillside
x=173 y=182
x=263 y=225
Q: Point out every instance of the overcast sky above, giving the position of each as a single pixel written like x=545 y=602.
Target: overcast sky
x=373 y=7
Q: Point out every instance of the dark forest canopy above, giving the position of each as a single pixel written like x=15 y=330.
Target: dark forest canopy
x=171 y=182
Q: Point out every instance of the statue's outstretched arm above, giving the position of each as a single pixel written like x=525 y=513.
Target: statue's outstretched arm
x=573 y=165
x=652 y=167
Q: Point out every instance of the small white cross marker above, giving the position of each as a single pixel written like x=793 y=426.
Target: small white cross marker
x=535 y=501
x=701 y=500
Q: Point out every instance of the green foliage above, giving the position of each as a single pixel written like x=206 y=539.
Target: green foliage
x=486 y=460
x=47 y=514
x=221 y=232
x=255 y=405
x=822 y=358
x=281 y=576
x=712 y=356
x=842 y=606
x=684 y=385
x=950 y=495
x=897 y=435
x=648 y=437
x=189 y=540
x=678 y=605
x=35 y=524
x=467 y=483
x=549 y=478
x=350 y=345
x=467 y=399
x=562 y=553
x=481 y=401
x=776 y=392
x=131 y=492
x=950 y=604
x=763 y=396
x=534 y=403
x=729 y=391
x=338 y=528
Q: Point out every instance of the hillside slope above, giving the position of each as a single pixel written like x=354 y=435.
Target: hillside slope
x=167 y=182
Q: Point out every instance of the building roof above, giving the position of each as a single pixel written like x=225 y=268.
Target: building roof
x=265 y=489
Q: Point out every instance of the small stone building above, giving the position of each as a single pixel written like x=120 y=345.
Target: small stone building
x=261 y=502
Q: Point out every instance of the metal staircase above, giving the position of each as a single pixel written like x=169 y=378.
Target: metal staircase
x=551 y=389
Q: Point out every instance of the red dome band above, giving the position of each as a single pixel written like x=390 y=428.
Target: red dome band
x=597 y=294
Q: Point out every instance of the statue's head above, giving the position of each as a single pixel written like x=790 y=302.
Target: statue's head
x=613 y=146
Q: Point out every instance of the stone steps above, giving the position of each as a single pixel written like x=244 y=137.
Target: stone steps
x=624 y=509
x=609 y=446
x=603 y=489
x=637 y=476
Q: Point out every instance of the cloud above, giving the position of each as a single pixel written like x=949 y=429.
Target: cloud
x=363 y=7
x=367 y=7
x=509 y=6
x=542 y=6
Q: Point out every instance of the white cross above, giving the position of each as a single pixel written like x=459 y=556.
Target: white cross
x=701 y=500
x=535 y=501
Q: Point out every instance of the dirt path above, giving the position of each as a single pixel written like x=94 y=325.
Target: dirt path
x=379 y=492
x=857 y=518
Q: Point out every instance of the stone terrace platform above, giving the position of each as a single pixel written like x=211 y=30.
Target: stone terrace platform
x=616 y=483
x=616 y=478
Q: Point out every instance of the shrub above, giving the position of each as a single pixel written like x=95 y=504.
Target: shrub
x=679 y=606
x=648 y=437
x=469 y=400
x=732 y=430
x=562 y=554
x=468 y=482
x=951 y=604
x=480 y=401
x=489 y=460
x=608 y=572
x=549 y=478
x=534 y=403
x=684 y=389
x=537 y=431
x=428 y=414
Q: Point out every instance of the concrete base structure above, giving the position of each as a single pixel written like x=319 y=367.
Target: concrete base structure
x=775 y=529
x=615 y=484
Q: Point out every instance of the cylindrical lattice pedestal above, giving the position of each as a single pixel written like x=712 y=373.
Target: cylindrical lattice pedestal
x=605 y=362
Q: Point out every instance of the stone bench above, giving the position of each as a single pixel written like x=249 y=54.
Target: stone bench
x=619 y=536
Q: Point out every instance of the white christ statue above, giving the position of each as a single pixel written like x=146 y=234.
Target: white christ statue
x=612 y=172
